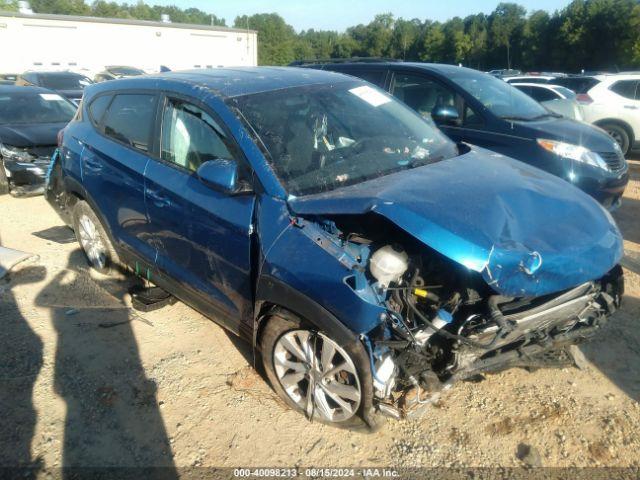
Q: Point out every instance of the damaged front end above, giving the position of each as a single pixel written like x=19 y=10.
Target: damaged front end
x=443 y=322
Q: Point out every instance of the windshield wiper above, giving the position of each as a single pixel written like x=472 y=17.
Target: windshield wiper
x=529 y=119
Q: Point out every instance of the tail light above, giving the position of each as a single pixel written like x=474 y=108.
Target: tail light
x=60 y=138
x=584 y=98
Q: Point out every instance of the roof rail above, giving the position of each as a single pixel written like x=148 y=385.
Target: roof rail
x=296 y=63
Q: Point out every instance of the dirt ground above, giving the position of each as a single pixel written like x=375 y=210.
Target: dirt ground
x=86 y=381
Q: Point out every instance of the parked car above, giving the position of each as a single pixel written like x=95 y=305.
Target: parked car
x=30 y=119
x=113 y=72
x=611 y=102
x=530 y=79
x=473 y=107
x=370 y=260
x=504 y=72
x=68 y=84
x=556 y=98
x=8 y=78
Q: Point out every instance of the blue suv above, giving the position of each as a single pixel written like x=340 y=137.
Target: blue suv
x=369 y=260
x=477 y=108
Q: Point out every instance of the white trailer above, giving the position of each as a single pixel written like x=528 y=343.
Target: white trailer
x=86 y=45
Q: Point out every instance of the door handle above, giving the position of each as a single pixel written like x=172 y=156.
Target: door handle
x=631 y=107
x=92 y=166
x=158 y=199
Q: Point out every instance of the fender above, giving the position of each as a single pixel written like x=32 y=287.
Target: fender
x=273 y=291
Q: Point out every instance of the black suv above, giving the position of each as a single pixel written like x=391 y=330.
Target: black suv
x=477 y=108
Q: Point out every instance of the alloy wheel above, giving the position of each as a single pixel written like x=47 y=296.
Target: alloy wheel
x=318 y=375
x=617 y=137
x=92 y=243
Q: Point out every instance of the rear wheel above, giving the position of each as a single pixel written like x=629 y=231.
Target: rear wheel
x=315 y=375
x=619 y=134
x=4 y=181
x=94 y=240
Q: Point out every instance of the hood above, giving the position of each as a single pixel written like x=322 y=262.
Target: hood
x=570 y=131
x=527 y=232
x=30 y=135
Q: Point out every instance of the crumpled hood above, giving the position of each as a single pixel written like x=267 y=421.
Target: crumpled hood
x=30 y=135
x=527 y=232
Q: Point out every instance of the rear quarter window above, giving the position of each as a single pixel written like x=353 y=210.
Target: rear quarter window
x=625 y=88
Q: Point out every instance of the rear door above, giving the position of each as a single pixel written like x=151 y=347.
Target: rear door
x=113 y=163
x=203 y=237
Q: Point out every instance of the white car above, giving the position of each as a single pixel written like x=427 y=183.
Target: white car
x=556 y=98
x=529 y=79
x=612 y=102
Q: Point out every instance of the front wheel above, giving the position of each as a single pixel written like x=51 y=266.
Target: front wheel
x=619 y=134
x=316 y=376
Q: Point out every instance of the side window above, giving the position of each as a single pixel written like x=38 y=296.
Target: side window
x=625 y=88
x=190 y=136
x=130 y=119
x=542 y=94
x=471 y=118
x=98 y=107
x=376 y=77
x=422 y=94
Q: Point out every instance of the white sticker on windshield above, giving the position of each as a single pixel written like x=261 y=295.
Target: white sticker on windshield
x=370 y=95
x=50 y=97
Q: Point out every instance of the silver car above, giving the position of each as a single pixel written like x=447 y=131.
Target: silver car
x=556 y=98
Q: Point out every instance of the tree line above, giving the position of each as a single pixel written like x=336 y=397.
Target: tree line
x=586 y=34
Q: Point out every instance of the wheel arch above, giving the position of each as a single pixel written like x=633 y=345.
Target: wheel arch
x=275 y=295
x=621 y=123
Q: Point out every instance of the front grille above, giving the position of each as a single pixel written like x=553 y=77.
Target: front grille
x=614 y=160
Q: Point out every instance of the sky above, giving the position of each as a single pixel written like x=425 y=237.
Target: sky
x=340 y=14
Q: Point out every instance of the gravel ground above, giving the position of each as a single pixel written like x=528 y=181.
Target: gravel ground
x=86 y=381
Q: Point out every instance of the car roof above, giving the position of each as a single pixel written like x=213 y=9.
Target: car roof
x=56 y=73
x=548 y=86
x=4 y=89
x=232 y=82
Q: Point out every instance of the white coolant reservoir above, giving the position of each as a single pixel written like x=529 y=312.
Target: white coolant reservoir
x=388 y=264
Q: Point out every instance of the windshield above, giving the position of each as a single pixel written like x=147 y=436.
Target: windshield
x=323 y=137
x=64 y=82
x=565 y=92
x=35 y=108
x=500 y=98
x=128 y=71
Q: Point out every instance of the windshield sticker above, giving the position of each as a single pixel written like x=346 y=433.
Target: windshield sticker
x=370 y=95
x=50 y=97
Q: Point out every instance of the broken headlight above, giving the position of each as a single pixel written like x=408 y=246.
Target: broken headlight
x=15 y=154
x=573 y=152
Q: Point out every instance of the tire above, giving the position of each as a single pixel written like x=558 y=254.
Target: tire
x=94 y=241
x=619 y=134
x=4 y=181
x=283 y=327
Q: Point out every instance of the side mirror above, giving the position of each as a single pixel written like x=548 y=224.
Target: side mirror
x=446 y=114
x=220 y=174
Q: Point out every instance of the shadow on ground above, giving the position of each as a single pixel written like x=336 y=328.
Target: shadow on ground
x=615 y=351
x=20 y=363
x=113 y=418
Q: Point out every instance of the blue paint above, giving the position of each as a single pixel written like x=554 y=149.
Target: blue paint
x=487 y=213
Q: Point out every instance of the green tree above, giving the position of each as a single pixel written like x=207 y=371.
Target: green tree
x=505 y=20
x=276 y=39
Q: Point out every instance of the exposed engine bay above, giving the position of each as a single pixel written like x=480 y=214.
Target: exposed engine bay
x=442 y=321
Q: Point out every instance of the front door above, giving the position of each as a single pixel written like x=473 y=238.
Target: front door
x=202 y=235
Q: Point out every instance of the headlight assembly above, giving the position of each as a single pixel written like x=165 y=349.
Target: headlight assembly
x=15 y=154
x=573 y=152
